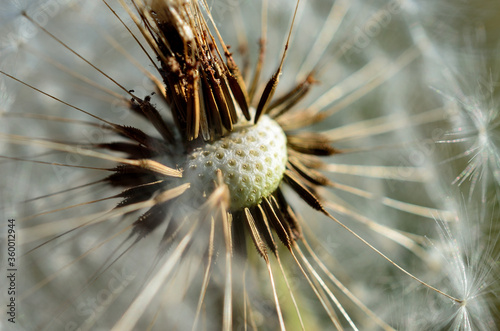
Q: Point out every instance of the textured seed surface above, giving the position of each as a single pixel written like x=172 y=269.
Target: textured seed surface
x=252 y=160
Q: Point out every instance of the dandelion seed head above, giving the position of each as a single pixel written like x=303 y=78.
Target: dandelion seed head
x=227 y=244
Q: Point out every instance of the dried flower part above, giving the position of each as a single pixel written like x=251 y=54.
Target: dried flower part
x=203 y=93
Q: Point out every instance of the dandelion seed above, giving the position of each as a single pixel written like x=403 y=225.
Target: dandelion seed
x=468 y=265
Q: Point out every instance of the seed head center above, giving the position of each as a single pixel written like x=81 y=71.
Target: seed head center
x=252 y=160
